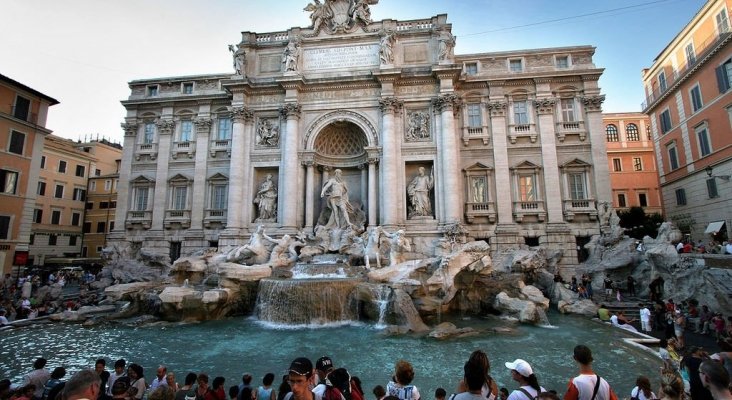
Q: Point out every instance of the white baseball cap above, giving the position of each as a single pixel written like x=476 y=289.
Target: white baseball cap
x=521 y=366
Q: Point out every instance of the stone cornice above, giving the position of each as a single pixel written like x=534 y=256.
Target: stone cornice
x=591 y=77
x=291 y=110
x=358 y=85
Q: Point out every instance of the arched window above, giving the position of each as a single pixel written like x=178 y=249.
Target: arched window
x=631 y=130
x=612 y=133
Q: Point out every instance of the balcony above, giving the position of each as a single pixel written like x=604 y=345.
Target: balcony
x=477 y=210
x=523 y=209
x=702 y=51
x=220 y=146
x=147 y=149
x=215 y=219
x=187 y=148
x=522 y=130
x=580 y=206
x=142 y=218
x=475 y=132
x=571 y=128
x=177 y=219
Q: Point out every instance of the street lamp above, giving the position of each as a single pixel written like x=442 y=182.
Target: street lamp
x=710 y=171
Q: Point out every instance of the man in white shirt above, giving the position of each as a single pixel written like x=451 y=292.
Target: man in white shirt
x=645 y=317
x=159 y=380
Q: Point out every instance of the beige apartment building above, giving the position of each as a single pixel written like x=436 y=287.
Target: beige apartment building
x=23 y=114
x=689 y=103
x=101 y=204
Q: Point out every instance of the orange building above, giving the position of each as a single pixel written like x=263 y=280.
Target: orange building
x=23 y=113
x=689 y=103
x=632 y=162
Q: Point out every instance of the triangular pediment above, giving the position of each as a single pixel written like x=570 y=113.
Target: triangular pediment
x=218 y=177
x=576 y=163
x=478 y=167
x=179 y=178
x=142 y=179
x=526 y=165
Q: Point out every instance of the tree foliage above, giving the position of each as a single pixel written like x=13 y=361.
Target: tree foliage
x=638 y=224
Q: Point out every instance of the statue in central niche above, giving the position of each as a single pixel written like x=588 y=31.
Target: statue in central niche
x=419 y=194
x=337 y=192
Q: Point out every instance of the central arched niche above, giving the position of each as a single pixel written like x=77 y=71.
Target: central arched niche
x=342 y=145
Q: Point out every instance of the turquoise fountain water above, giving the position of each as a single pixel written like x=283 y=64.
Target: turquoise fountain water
x=230 y=347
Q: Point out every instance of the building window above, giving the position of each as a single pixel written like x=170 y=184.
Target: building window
x=612 y=133
x=617 y=165
x=475 y=119
x=41 y=188
x=702 y=135
x=43 y=162
x=722 y=22
x=520 y=113
x=712 y=188
x=101 y=226
x=567 y=106
x=562 y=61
x=75 y=219
x=17 y=141
x=516 y=65
x=662 y=81
x=680 y=197
x=97 y=172
x=527 y=188
x=696 y=98
x=186 y=131
x=107 y=185
x=93 y=186
x=103 y=205
x=37 y=216
x=59 y=193
x=224 y=129
x=724 y=76
x=8 y=181
x=79 y=194
x=112 y=204
x=631 y=131
x=180 y=198
x=642 y=199
x=577 y=187
x=690 y=55
x=471 y=68
x=52 y=240
x=666 y=121
x=218 y=197
x=55 y=217
x=621 y=200
x=89 y=205
x=152 y=90
x=188 y=88
x=149 y=135
x=141 y=196
x=86 y=228
x=62 y=166
x=673 y=156
x=72 y=240
x=637 y=164
x=4 y=227
x=22 y=108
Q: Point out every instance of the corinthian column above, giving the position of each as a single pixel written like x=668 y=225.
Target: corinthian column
x=449 y=104
x=289 y=166
x=160 y=201
x=123 y=187
x=552 y=187
x=593 y=112
x=237 y=171
x=198 y=201
x=390 y=157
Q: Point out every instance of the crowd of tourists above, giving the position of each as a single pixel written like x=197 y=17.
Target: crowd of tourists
x=706 y=378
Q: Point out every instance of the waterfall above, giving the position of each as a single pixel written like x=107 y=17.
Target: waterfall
x=306 y=301
x=382 y=300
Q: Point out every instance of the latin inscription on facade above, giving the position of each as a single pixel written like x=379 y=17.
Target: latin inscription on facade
x=340 y=94
x=341 y=57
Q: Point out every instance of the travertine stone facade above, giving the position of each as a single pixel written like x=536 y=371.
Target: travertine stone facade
x=513 y=141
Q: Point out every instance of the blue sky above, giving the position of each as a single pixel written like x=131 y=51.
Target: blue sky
x=83 y=52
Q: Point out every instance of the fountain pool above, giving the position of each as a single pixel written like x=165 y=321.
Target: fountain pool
x=230 y=347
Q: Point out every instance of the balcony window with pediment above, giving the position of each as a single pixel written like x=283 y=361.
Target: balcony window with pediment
x=479 y=207
x=140 y=213
x=576 y=194
x=217 y=200
x=527 y=193
x=178 y=212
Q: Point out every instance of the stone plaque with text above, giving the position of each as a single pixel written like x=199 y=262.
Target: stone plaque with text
x=341 y=57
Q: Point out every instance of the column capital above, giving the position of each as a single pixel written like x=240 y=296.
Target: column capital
x=203 y=125
x=449 y=101
x=497 y=108
x=165 y=126
x=545 y=105
x=241 y=114
x=291 y=110
x=390 y=105
x=130 y=128
x=593 y=103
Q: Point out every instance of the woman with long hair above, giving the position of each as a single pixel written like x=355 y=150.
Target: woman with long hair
x=490 y=388
x=522 y=373
x=642 y=389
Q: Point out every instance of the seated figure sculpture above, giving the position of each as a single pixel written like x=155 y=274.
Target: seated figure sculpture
x=399 y=246
x=254 y=252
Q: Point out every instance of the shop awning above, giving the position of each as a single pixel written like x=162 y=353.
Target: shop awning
x=714 y=227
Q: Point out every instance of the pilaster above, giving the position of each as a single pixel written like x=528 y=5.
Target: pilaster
x=504 y=203
x=552 y=186
x=198 y=200
x=165 y=127
x=237 y=173
x=389 y=168
x=593 y=116
x=289 y=166
x=449 y=104
x=123 y=185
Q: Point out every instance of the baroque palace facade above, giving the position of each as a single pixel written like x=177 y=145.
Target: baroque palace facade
x=509 y=144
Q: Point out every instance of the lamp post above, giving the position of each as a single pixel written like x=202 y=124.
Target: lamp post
x=710 y=173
